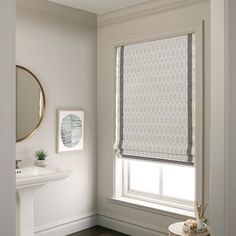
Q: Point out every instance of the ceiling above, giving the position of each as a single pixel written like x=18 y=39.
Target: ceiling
x=98 y=6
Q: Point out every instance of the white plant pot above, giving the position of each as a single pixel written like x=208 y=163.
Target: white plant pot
x=41 y=163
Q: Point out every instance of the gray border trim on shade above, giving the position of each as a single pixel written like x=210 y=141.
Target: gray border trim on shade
x=143 y=158
x=190 y=99
x=121 y=98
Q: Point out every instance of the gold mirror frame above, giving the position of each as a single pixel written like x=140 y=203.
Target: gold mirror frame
x=44 y=103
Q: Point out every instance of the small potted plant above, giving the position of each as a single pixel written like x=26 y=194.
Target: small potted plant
x=41 y=156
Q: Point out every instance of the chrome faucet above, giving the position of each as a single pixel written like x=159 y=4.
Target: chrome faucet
x=17 y=162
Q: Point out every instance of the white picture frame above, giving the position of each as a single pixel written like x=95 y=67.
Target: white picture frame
x=70 y=130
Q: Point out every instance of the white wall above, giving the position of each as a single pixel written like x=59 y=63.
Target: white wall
x=222 y=168
x=217 y=206
x=125 y=25
x=232 y=47
x=59 y=47
x=7 y=117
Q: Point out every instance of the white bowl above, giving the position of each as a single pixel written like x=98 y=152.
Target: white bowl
x=196 y=231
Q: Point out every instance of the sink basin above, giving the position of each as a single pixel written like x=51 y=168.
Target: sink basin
x=32 y=176
x=29 y=180
x=34 y=171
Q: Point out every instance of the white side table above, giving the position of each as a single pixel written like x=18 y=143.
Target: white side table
x=177 y=230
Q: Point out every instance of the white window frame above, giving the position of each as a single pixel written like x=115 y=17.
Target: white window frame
x=159 y=199
x=118 y=165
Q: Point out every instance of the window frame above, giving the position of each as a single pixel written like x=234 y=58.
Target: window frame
x=118 y=168
x=149 y=197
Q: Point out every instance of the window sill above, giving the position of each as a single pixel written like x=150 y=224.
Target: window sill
x=153 y=208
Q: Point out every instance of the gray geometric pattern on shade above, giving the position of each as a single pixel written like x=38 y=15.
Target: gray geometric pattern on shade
x=71 y=130
x=155 y=100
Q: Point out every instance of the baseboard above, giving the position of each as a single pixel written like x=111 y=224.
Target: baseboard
x=118 y=223
x=67 y=226
x=129 y=226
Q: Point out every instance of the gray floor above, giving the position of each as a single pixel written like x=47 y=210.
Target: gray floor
x=98 y=231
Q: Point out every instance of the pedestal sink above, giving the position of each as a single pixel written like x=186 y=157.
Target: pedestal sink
x=28 y=180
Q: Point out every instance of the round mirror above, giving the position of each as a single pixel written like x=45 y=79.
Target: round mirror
x=30 y=103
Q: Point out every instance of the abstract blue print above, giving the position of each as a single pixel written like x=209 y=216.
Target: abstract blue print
x=71 y=130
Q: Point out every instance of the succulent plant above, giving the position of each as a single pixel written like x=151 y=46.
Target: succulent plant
x=41 y=155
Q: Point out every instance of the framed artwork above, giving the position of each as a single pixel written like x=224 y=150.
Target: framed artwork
x=70 y=130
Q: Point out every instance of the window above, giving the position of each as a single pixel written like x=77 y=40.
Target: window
x=166 y=184
x=155 y=121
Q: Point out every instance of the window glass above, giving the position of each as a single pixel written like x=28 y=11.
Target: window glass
x=179 y=182
x=144 y=176
x=161 y=180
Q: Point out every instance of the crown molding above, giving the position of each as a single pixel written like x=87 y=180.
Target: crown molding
x=46 y=7
x=142 y=10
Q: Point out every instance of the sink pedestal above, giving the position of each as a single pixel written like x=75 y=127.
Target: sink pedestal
x=28 y=181
x=26 y=210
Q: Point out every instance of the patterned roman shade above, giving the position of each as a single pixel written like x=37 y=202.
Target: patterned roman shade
x=156 y=100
